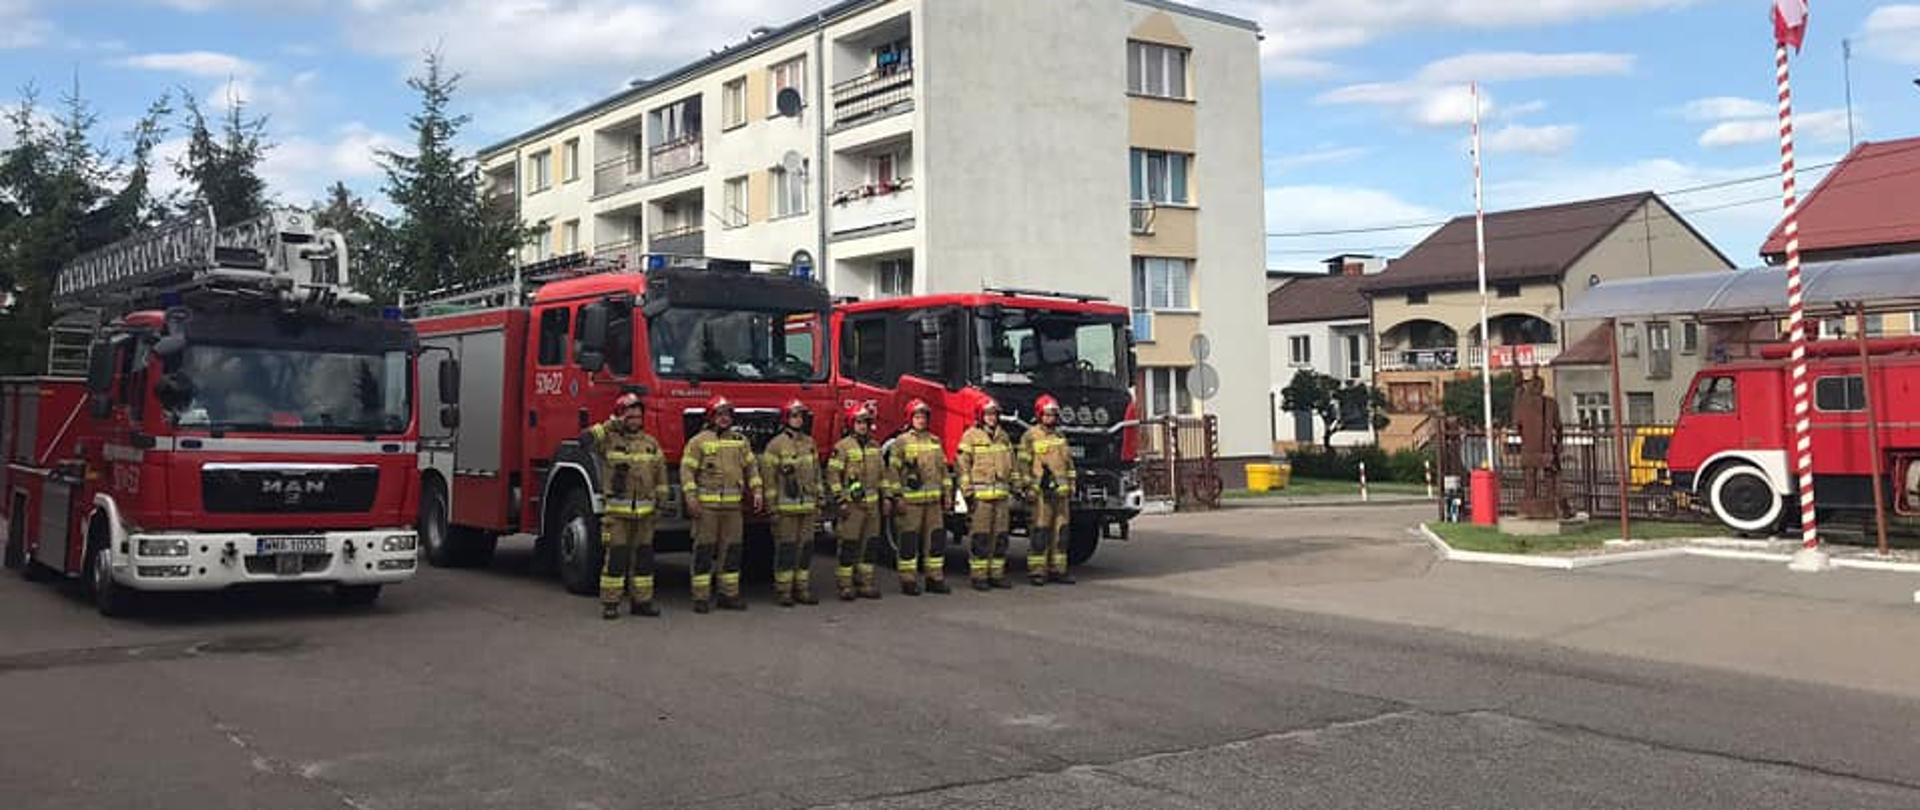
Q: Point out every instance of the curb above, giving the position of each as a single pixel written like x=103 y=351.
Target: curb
x=1282 y=502
x=1451 y=554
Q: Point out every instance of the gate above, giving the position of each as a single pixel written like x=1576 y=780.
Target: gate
x=1590 y=472
x=1179 y=461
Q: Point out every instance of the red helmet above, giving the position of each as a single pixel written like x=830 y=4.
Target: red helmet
x=857 y=411
x=1045 y=403
x=985 y=404
x=918 y=405
x=627 y=401
x=794 y=407
x=717 y=404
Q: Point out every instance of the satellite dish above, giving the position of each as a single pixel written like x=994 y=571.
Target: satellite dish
x=788 y=102
x=793 y=163
x=1204 y=381
x=1200 y=346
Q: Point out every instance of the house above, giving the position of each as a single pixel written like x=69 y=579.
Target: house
x=906 y=147
x=1869 y=205
x=1318 y=324
x=1425 y=306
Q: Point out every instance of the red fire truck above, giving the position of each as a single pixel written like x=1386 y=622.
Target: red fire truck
x=219 y=410
x=546 y=352
x=1730 y=447
x=1013 y=346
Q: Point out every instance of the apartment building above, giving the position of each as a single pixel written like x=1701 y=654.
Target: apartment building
x=897 y=147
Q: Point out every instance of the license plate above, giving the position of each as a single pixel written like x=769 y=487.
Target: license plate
x=291 y=545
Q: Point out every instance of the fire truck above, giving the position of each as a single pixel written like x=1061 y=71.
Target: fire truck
x=955 y=350
x=220 y=409
x=1730 y=447
x=547 y=350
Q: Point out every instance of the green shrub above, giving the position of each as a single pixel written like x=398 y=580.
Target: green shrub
x=1343 y=464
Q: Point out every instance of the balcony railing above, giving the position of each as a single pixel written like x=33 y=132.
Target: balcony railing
x=688 y=240
x=873 y=93
x=1517 y=356
x=625 y=251
x=874 y=205
x=1143 y=215
x=1434 y=359
x=619 y=174
x=675 y=156
x=1143 y=326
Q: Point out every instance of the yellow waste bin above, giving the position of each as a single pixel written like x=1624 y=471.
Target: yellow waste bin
x=1261 y=477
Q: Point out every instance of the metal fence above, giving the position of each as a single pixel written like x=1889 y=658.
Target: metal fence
x=1180 y=461
x=1590 y=471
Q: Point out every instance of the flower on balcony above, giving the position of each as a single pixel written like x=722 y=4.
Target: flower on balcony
x=869 y=190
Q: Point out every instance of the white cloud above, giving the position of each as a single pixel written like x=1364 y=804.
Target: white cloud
x=1524 y=108
x=1449 y=106
x=1437 y=94
x=1541 y=140
x=1893 y=32
x=1825 y=126
x=1719 y=108
x=1515 y=65
x=1323 y=156
x=205 y=64
x=299 y=169
x=21 y=26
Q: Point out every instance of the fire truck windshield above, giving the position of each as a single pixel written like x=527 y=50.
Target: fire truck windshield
x=288 y=390
x=737 y=344
x=1052 y=349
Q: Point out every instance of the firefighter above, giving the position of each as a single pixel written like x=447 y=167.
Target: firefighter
x=634 y=472
x=719 y=478
x=1049 y=463
x=988 y=477
x=791 y=468
x=919 y=466
x=857 y=482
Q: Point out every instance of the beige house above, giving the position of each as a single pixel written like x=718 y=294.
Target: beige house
x=1425 y=308
x=903 y=147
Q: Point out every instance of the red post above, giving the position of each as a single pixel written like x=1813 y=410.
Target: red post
x=1486 y=496
x=1873 y=435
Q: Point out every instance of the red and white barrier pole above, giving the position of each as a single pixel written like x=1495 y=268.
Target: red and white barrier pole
x=1363 y=482
x=1429 y=473
x=1810 y=557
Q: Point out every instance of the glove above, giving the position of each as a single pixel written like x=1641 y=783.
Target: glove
x=693 y=507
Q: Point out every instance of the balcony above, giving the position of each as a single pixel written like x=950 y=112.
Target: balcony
x=872 y=94
x=1432 y=359
x=676 y=156
x=1143 y=216
x=1525 y=355
x=689 y=240
x=619 y=174
x=626 y=252
x=874 y=205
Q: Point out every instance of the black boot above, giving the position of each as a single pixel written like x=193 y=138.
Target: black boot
x=786 y=599
x=804 y=596
x=938 y=586
x=732 y=602
x=1062 y=578
x=645 y=608
x=610 y=610
x=910 y=588
x=701 y=606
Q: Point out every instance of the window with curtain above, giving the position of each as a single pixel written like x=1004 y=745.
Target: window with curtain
x=1160 y=284
x=1167 y=393
x=1157 y=70
x=1161 y=177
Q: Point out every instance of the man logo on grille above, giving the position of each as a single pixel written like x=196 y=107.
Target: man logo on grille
x=291 y=490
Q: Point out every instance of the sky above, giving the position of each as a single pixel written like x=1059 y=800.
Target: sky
x=1365 y=102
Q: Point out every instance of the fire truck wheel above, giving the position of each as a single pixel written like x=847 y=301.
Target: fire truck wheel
x=576 y=544
x=435 y=541
x=1744 y=500
x=355 y=595
x=1083 y=539
x=109 y=597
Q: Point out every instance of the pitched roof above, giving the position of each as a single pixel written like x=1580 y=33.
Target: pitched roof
x=1321 y=298
x=1596 y=349
x=1524 y=244
x=1871 y=198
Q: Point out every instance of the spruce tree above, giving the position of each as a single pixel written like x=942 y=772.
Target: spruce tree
x=223 y=167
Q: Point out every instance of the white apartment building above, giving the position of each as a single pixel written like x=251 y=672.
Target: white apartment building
x=898 y=147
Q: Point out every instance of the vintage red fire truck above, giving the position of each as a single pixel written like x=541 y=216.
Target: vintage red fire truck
x=546 y=352
x=952 y=350
x=1730 y=447
x=221 y=409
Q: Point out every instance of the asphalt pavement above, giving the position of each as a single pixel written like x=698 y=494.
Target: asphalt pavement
x=1314 y=657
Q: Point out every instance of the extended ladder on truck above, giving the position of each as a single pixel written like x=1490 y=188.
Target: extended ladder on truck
x=517 y=288
x=277 y=257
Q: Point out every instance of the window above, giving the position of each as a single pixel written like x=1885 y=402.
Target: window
x=1714 y=395
x=1629 y=340
x=789 y=192
x=1847 y=393
x=1167 y=393
x=1639 y=407
x=540 y=171
x=1157 y=70
x=1161 y=177
x=863 y=352
x=1356 y=355
x=554 y=325
x=733 y=103
x=570 y=236
x=880 y=169
x=570 y=160
x=733 y=214
x=1689 y=338
x=1300 y=350
x=893 y=278
x=1659 y=351
x=891 y=57
x=1416 y=298
x=1876 y=325
x=618 y=353
x=1591 y=410
x=676 y=122
x=1507 y=291
x=1161 y=284
x=1832 y=329
x=543 y=242
x=791 y=73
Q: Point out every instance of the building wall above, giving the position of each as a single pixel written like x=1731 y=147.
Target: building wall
x=1327 y=356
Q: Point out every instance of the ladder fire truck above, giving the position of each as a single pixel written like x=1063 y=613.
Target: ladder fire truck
x=546 y=350
x=220 y=409
x=953 y=350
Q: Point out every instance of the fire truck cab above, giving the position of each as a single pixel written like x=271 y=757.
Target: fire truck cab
x=545 y=356
x=1012 y=346
x=221 y=409
x=1730 y=447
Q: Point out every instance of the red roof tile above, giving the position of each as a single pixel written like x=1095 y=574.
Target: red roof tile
x=1321 y=298
x=1871 y=198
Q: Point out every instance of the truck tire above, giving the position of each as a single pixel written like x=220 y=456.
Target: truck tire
x=436 y=535
x=1083 y=539
x=16 y=555
x=1743 y=499
x=112 y=599
x=576 y=544
x=355 y=596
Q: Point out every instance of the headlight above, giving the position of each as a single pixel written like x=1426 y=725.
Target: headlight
x=1101 y=416
x=400 y=542
x=163 y=548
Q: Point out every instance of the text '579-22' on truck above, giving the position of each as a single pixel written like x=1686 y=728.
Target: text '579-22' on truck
x=220 y=409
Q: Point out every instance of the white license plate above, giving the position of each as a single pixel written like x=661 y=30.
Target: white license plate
x=291 y=545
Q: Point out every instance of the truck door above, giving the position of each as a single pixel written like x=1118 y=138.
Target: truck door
x=939 y=340
x=553 y=385
x=871 y=362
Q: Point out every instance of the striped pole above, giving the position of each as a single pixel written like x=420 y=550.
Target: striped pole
x=1480 y=261
x=1810 y=557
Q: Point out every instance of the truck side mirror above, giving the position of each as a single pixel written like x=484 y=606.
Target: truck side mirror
x=591 y=352
x=932 y=350
x=100 y=379
x=450 y=382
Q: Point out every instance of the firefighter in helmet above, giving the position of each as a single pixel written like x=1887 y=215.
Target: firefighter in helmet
x=720 y=480
x=857 y=481
x=790 y=466
x=919 y=466
x=1049 y=468
x=988 y=478
x=633 y=473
